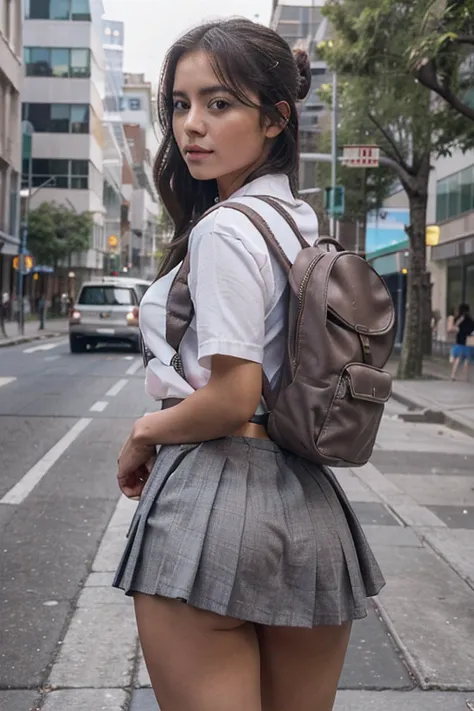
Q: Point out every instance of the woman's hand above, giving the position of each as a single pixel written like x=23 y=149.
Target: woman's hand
x=135 y=463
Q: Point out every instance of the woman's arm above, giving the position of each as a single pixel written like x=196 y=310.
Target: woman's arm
x=218 y=409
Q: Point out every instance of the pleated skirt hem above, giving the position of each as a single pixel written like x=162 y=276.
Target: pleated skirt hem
x=241 y=528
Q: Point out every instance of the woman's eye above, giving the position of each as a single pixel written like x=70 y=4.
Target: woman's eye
x=219 y=104
x=180 y=105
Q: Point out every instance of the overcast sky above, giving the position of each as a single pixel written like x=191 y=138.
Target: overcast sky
x=151 y=26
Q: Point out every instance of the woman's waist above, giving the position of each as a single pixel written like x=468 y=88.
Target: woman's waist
x=248 y=429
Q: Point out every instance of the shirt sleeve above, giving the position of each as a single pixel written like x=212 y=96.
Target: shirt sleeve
x=228 y=293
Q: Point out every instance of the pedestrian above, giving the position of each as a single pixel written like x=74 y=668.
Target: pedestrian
x=246 y=563
x=463 y=350
x=41 y=311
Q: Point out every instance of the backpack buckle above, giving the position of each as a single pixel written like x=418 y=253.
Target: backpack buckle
x=365 y=343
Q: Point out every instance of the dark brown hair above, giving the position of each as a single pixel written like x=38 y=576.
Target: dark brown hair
x=246 y=57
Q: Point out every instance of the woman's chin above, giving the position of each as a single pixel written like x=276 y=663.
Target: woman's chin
x=201 y=173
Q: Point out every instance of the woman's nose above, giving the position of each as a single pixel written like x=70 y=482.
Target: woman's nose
x=194 y=122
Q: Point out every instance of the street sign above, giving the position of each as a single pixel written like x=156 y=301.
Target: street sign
x=361 y=156
x=27 y=264
x=112 y=241
x=334 y=201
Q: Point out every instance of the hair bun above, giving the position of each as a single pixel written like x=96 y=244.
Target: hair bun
x=304 y=71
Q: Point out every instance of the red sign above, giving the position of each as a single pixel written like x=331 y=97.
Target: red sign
x=361 y=156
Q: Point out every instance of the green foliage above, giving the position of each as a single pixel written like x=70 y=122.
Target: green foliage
x=441 y=53
x=381 y=97
x=373 y=41
x=55 y=232
x=365 y=189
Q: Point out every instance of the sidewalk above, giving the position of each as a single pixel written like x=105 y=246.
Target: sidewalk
x=442 y=400
x=53 y=327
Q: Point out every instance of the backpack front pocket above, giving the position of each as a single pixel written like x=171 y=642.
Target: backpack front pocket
x=353 y=419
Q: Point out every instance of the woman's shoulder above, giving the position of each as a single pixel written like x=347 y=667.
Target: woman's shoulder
x=233 y=224
x=228 y=225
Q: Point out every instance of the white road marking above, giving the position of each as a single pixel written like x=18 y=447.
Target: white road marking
x=50 y=358
x=128 y=357
x=45 y=346
x=26 y=485
x=115 y=389
x=134 y=367
x=5 y=381
x=98 y=406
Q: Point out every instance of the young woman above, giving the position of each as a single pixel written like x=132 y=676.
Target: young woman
x=462 y=352
x=246 y=563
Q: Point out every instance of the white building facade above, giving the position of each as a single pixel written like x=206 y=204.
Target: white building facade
x=139 y=118
x=63 y=99
x=11 y=76
x=451 y=207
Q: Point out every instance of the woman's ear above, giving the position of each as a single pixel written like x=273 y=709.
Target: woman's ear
x=274 y=129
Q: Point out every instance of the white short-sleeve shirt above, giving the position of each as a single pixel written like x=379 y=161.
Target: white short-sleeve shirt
x=237 y=288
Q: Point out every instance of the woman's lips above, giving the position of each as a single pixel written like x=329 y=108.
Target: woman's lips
x=197 y=155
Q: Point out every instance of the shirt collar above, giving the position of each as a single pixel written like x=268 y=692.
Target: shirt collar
x=276 y=184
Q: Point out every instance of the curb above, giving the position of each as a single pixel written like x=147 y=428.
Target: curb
x=434 y=416
x=28 y=339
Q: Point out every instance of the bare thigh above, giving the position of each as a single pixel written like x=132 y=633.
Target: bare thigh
x=301 y=667
x=198 y=661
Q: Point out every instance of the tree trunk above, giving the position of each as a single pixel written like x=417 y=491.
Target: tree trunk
x=418 y=288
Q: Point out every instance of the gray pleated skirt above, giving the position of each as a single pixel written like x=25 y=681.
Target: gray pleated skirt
x=241 y=528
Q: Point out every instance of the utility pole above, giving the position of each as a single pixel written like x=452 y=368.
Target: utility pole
x=27 y=146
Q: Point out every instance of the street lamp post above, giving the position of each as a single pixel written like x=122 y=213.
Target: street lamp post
x=27 y=144
x=28 y=194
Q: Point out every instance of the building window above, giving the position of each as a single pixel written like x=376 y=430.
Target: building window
x=80 y=63
x=60 y=118
x=134 y=104
x=58 y=10
x=80 y=10
x=57 y=118
x=69 y=174
x=60 y=63
x=80 y=174
x=57 y=62
x=455 y=195
x=79 y=119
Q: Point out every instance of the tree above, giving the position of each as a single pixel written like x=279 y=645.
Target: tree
x=369 y=52
x=56 y=232
x=365 y=189
x=441 y=54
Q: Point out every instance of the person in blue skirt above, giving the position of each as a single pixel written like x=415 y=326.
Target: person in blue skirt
x=463 y=350
x=246 y=562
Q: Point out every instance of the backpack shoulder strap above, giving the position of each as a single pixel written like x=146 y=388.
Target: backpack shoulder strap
x=179 y=308
x=179 y=311
x=276 y=204
x=263 y=227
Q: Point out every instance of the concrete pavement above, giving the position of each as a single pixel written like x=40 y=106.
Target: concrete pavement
x=436 y=395
x=69 y=641
x=53 y=327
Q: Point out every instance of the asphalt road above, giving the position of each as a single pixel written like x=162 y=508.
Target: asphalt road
x=57 y=490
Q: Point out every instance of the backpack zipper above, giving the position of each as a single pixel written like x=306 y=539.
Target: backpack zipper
x=177 y=364
x=301 y=297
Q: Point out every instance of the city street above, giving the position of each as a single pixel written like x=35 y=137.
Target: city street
x=68 y=640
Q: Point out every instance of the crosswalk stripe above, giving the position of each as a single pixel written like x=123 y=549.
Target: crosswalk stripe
x=5 y=381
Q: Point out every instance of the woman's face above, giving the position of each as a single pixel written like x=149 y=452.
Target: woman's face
x=218 y=136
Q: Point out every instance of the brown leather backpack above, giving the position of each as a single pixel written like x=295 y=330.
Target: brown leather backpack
x=333 y=390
